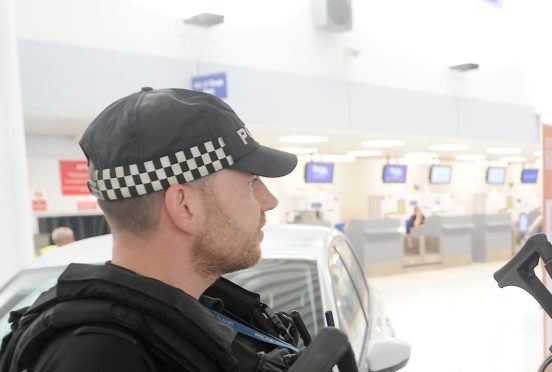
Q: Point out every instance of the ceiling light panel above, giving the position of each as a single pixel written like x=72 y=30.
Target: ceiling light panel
x=513 y=159
x=303 y=139
x=492 y=163
x=365 y=153
x=420 y=155
x=334 y=158
x=448 y=147
x=503 y=150
x=419 y=160
x=380 y=144
x=300 y=150
x=470 y=157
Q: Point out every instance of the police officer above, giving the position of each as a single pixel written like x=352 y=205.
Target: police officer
x=178 y=176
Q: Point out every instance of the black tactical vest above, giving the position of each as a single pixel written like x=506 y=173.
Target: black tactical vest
x=172 y=325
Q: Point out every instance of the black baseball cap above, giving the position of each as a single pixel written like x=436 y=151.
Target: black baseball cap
x=155 y=138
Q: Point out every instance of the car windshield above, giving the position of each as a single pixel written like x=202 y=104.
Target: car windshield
x=284 y=284
x=23 y=289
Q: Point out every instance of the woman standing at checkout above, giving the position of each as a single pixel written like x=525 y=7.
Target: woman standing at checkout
x=416 y=220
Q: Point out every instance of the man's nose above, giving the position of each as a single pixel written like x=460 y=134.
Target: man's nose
x=266 y=199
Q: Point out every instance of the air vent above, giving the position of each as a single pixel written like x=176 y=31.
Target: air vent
x=497 y=3
x=465 y=67
x=332 y=15
x=205 y=20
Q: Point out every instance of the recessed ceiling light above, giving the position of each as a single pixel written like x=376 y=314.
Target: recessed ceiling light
x=300 y=150
x=472 y=157
x=537 y=153
x=448 y=147
x=513 y=159
x=419 y=160
x=334 y=158
x=503 y=150
x=365 y=153
x=303 y=139
x=426 y=155
x=380 y=144
x=492 y=163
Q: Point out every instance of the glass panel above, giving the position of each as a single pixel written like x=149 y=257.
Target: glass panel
x=355 y=271
x=352 y=319
x=286 y=285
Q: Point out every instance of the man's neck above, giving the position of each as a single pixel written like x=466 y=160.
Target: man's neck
x=164 y=261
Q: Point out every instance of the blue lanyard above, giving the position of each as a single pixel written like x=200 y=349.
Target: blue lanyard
x=248 y=331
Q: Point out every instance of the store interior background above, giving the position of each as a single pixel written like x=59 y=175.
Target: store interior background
x=387 y=78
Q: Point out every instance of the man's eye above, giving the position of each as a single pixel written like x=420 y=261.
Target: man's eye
x=253 y=180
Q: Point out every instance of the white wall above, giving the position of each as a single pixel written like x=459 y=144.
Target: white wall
x=43 y=155
x=402 y=43
x=15 y=216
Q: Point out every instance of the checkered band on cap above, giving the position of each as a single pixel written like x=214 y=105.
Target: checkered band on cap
x=187 y=165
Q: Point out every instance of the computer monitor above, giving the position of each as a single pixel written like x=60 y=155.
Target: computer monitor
x=496 y=175
x=319 y=172
x=529 y=175
x=394 y=173
x=440 y=174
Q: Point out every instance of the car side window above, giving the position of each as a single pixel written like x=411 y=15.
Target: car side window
x=286 y=285
x=352 y=319
x=355 y=271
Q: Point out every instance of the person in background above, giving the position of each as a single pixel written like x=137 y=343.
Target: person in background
x=416 y=220
x=60 y=236
x=63 y=235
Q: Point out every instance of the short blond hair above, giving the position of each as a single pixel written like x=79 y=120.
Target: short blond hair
x=138 y=215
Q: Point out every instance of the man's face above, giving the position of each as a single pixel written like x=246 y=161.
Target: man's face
x=235 y=204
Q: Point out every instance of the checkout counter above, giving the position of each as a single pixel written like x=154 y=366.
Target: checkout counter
x=443 y=239
x=378 y=245
x=492 y=237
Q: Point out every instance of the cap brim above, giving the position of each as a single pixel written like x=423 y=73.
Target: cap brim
x=267 y=162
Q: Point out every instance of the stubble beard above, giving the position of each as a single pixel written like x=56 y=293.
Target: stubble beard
x=225 y=246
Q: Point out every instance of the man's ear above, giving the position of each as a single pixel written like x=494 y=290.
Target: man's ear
x=182 y=205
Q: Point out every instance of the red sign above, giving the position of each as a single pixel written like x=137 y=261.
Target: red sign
x=87 y=205
x=40 y=205
x=74 y=177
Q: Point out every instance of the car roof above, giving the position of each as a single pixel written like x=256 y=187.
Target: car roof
x=280 y=241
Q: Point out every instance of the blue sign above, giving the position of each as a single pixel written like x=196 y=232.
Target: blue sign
x=214 y=84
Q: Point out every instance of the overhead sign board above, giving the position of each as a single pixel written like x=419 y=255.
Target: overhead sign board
x=214 y=84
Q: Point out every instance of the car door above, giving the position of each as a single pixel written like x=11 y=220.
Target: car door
x=351 y=295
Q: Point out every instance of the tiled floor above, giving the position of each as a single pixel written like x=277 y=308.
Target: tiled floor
x=458 y=320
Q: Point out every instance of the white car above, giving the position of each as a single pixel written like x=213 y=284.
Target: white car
x=306 y=268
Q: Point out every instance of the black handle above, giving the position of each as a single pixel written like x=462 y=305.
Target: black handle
x=329 y=318
x=519 y=271
x=331 y=347
x=301 y=327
